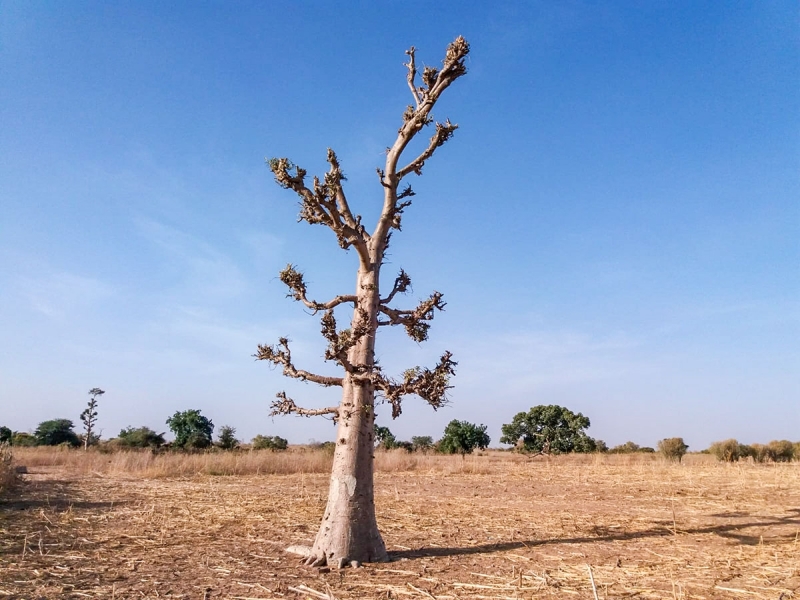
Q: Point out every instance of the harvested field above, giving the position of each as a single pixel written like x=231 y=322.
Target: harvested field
x=485 y=527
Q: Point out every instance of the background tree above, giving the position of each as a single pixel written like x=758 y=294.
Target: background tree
x=6 y=435
x=422 y=443
x=268 y=442
x=349 y=531
x=462 y=437
x=191 y=429
x=89 y=417
x=141 y=437
x=227 y=438
x=549 y=429
x=780 y=450
x=384 y=438
x=673 y=448
x=55 y=432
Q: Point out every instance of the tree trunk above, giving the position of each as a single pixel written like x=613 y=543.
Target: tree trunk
x=349 y=529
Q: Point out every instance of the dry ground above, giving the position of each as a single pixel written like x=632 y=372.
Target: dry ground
x=486 y=527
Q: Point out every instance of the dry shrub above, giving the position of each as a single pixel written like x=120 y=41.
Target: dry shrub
x=673 y=448
x=8 y=473
x=729 y=450
x=781 y=450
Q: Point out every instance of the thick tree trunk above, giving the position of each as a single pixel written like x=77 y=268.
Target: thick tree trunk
x=349 y=529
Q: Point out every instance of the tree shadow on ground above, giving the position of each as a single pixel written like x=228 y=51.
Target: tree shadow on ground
x=50 y=494
x=728 y=530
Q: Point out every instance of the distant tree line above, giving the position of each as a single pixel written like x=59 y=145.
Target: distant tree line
x=543 y=430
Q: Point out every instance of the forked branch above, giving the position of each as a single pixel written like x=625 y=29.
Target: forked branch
x=429 y=384
x=418 y=116
x=325 y=202
x=415 y=321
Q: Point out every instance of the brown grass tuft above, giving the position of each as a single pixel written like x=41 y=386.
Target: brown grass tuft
x=8 y=473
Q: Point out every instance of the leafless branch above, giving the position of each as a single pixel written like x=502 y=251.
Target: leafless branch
x=444 y=131
x=401 y=285
x=286 y=406
x=407 y=192
x=293 y=279
x=412 y=73
x=281 y=355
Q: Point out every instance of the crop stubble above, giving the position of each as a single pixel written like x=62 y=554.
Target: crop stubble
x=485 y=527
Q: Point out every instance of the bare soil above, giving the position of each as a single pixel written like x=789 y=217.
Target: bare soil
x=540 y=529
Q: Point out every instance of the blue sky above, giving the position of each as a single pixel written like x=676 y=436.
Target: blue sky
x=615 y=225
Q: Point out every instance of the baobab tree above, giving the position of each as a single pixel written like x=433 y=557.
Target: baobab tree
x=349 y=531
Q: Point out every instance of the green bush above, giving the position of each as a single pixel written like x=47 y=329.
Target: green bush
x=55 y=433
x=141 y=437
x=6 y=435
x=22 y=439
x=268 y=442
x=673 y=448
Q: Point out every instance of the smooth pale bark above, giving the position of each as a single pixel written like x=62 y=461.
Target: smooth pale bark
x=349 y=529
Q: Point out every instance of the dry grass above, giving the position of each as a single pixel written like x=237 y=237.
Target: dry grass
x=298 y=459
x=493 y=526
x=8 y=474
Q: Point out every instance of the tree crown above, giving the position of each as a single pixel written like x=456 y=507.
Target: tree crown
x=548 y=429
x=462 y=437
x=191 y=429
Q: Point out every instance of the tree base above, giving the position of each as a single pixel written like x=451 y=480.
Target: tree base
x=313 y=559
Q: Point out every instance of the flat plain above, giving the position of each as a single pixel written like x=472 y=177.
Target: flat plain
x=496 y=526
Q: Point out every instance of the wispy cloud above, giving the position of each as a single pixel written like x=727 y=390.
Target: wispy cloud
x=202 y=269
x=59 y=295
x=524 y=361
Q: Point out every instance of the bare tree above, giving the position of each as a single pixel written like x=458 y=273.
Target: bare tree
x=349 y=532
x=89 y=416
